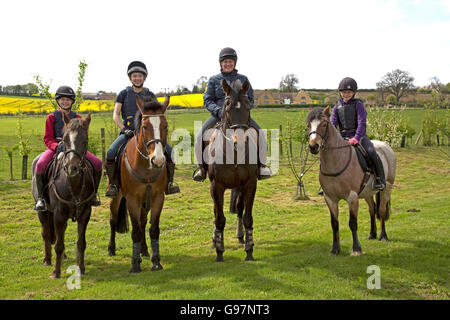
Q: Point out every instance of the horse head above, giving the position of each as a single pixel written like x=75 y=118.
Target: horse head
x=236 y=110
x=151 y=130
x=75 y=141
x=318 y=128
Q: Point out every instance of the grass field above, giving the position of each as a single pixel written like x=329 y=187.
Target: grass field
x=292 y=239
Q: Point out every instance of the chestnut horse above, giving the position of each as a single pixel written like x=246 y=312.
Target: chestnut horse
x=70 y=190
x=341 y=177
x=143 y=177
x=233 y=164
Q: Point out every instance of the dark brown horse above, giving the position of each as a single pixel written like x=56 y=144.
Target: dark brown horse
x=70 y=190
x=342 y=178
x=232 y=164
x=143 y=180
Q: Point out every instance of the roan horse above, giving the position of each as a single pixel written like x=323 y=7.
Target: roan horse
x=341 y=177
x=233 y=164
x=143 y=181
x=70 y=190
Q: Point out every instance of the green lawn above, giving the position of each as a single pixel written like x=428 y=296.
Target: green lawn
x=292 y=240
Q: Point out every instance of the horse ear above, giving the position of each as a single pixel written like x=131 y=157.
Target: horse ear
x=87 y=121
x=66 y=119
x=226 y=87
x=139 y=103
x=326 y=111
x=246 y=86
x=166 y=103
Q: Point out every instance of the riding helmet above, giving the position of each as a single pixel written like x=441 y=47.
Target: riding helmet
x=228 y=53
x=137 y=66
x=348 y=84
x=65 y=91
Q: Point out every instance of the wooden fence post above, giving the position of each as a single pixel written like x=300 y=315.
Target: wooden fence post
x=280 y=140
x=102 y=136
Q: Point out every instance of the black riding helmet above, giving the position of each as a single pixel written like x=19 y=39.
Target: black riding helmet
x=65 y=91
x=137 y=66
x=348 y=84
x=228 y=53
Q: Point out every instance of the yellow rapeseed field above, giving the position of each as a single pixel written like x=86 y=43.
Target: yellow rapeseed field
x=11 y=105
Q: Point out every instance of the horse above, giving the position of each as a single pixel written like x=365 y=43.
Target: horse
x=71 y=188
x=342 y=178
x=143 y=180
x=239 y=173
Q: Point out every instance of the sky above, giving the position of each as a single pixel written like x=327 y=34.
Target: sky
x=320 y=41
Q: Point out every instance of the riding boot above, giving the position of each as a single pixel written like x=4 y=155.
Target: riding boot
x=171 y=189
x=95 y=202
x=112 y=184
x=199 y=173
x=41 y=205
x=380 y=181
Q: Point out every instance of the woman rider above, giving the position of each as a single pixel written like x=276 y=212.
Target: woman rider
x=213 y=100
x=126 y=107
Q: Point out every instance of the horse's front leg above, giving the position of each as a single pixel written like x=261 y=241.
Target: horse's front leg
x=239 y=221
x=83 y=221
x=60 y=222
x=47 y=229
x=114 y=210
x=134 y=209
x=217 y=192
x=353 y=204
x=156 y=208
x=144 y=247
x=334 y=214
x=249 y=197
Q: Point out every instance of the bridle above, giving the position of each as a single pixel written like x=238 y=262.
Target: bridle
x=323 y=147
x=148 y=143
x=228 y=125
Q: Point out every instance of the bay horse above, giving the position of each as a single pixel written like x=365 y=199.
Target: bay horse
x=233 y=165
x=71 y=188
x=143 y=179
x=341 y=178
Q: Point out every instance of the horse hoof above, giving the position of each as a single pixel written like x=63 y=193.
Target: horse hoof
x=111 y=253
x=219 y=257
x=334 y=252
x=384 y=239
x=356 y=253
x=157 y=267
x=135 y=269
x=47 y=263
x=241 y=240
x=249 y=258
x=55 y=275
x=372 y=237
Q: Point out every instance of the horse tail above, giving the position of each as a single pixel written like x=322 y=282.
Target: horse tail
x=122 y=217
x=387 y=211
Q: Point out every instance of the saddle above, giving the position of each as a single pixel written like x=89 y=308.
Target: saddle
x=365 y=163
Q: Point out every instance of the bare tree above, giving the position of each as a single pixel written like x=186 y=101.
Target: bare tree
x=397 y=82
x=289 y=83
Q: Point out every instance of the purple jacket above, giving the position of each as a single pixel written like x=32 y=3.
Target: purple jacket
x=361 y=115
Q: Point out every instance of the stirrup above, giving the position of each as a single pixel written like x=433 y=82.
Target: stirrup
x=95 y=202
x=112 y=191
x=171 y=189
x=40 y=205
x=378 y=185
x=264 y=172
x=199 y=175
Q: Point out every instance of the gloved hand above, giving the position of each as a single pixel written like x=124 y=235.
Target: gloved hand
x=60 y=147
x=128 y=133
x=353 y=141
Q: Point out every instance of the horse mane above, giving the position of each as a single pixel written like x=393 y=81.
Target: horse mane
x=150 y=104
x=314 y=114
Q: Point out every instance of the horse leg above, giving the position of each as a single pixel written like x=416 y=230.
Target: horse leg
x=113 y=208
x=134 y=208
x=353 y=204
x=248 y=222
x=83 y=221
x=217 y=192
x=60 y=228
x=373 y=224
x=44 y=218
x=334 y=214
x=239 y=221
x=384 y=211
x=157 y=205
x=144 y=247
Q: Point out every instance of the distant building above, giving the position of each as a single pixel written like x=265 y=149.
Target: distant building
x=101 y=95
x=262 y=97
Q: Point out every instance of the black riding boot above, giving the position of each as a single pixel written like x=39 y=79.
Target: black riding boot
x=380 y=181
x=112 y=184
x=95 y=202
x=41 y=205
x=171 y=189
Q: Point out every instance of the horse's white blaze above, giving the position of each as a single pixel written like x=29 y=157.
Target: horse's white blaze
x=314 y=124
x=159 y=152
x=72 y=137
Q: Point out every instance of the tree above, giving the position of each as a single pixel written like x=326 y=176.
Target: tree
x=200 y=85
x=397 y=82
x=289 y=83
